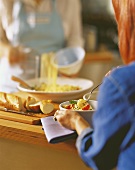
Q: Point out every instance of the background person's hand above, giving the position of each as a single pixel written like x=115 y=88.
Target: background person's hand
x=15 y=55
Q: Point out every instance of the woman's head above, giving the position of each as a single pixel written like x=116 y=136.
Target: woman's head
x=125 y=16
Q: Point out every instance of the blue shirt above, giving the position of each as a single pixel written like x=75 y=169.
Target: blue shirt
x=112 y=143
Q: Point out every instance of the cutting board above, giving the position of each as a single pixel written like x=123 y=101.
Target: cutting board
x=33 y=120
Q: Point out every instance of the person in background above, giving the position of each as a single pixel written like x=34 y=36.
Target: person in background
x=42 y=25
x=111 y=141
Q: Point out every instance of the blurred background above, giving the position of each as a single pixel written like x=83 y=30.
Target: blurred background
x=100 y=43
x=99 y=25
x=101 y=40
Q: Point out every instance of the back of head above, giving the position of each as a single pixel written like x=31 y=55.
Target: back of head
x=125 y=16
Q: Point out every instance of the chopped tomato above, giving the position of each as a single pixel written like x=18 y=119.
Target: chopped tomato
x=68 y=106
x=86 y=107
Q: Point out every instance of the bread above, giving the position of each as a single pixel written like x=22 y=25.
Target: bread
x=30 y=100
x=35 y=107
x=14 y=102
x=46 y=107
x=3 y=101
x=11 y=101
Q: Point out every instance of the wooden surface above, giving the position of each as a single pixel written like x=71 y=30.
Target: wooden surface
x=33 y=120
x=29 y=129
x=99 y=56
x=19 y=118
x=32 y=134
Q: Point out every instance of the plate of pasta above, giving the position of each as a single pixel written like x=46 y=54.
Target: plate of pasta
x=62 y=89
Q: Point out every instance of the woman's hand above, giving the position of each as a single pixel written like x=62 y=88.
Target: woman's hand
x=67 y=118
x=71 y=120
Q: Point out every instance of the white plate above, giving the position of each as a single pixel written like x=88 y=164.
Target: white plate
x=59 y=96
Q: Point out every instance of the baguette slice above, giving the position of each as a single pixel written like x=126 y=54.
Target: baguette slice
x=35 y=107
x=46 y=107
x=30 y=100
x=3 y=101
x=14 y=102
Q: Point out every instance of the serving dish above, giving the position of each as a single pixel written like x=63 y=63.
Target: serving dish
x=69 y=60
x=58 y=97
x=86 y=114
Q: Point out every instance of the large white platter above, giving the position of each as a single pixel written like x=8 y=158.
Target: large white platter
x=85 y=85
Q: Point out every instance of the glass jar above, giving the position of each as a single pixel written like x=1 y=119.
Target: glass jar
x=30 y=65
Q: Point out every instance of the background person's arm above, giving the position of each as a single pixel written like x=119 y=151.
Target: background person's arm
x=70 y=12
x=4 y=44
x=14 y=54
x=75 y=37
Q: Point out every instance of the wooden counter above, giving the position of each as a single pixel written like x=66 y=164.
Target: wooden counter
x=29 y=133
x=24 y=142
x=32 y=134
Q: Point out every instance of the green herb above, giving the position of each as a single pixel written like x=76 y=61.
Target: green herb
x=73 y=102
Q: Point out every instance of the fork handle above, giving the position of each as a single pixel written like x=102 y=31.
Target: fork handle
x=95 y=88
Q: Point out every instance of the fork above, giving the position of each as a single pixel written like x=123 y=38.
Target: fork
x=88 y=95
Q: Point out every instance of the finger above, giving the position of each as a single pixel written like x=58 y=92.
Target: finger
x=57 y=113
x=54 y=118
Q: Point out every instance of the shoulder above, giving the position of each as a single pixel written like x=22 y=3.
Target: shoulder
x=123 y=74
x=117 y=94
x=120 y=84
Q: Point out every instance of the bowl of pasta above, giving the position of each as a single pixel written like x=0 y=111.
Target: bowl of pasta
x=83 y=107
x=62 y=90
